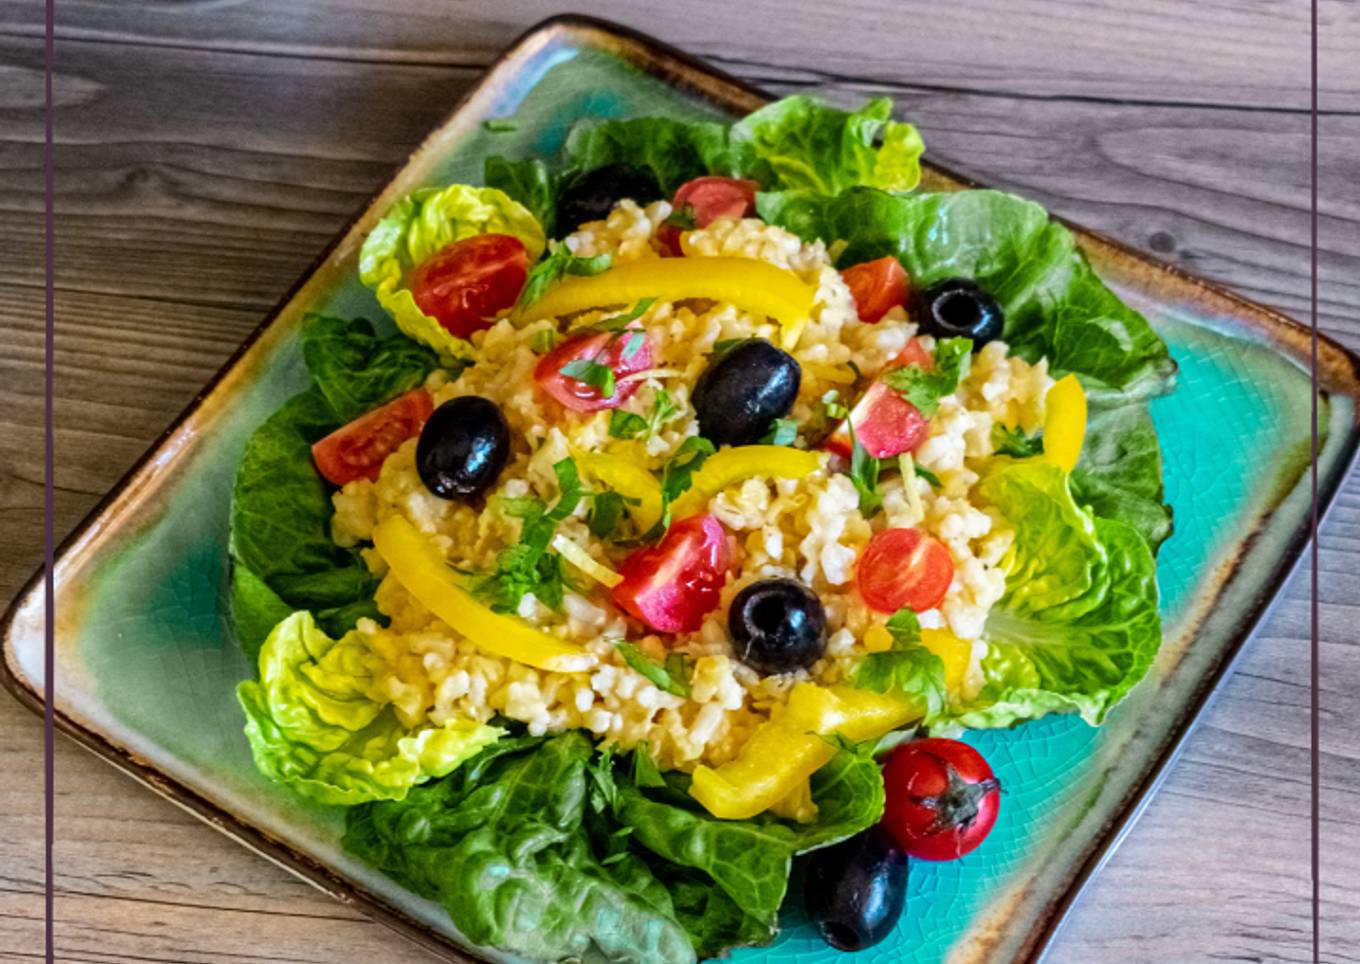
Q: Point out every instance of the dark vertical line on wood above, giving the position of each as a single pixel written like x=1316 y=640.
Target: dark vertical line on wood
x=49 y=494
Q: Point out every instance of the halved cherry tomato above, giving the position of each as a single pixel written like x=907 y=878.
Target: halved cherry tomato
x=620 y=352
x=886 y=424
x=878 y=287
x=357 y=450
x=705 y=199
x=465 y=284
x=671 y=586
x=904 y=567
x=942 y=798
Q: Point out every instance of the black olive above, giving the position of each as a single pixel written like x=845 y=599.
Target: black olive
x=777 y=626
x=856 y=889
x=591 y=195
x=463 y=447
x=739 y=396
x=960 y=308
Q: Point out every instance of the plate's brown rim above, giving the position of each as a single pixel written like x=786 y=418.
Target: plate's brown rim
x=1342 y=368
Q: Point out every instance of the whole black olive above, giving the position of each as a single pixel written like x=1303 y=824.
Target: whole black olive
x=856 y=889
x=591 y=195
x=463 y=447
x=960 y=308
x=739 y=396
x=777 y=626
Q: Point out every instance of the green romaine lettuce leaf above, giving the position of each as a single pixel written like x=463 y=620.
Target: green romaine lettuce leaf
x=1054 y=303
x=672 y=151
x=419 y=225
x=806 y=145
x=1078 y=625
x=652 y=875
x=313 y=727
x=1119 y=474
x=283 y=557
x=530 y=182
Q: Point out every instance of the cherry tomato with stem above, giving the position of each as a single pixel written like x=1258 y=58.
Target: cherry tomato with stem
x=589 y=372
x=942 y=798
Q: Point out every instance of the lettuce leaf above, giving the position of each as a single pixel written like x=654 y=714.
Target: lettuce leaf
x=807 y=146
x=313 y=726
x=793 y=144
x=283 y=557
x=1054 y=303
x=419 y=225
x=1119 y=474
x=1078 y=625
x=652 y=875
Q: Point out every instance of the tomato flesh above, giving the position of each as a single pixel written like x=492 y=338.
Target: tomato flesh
x=617 y=351
x=671 y=586
x=464 y=285
x=357 y=450
x=904 y=568
x=706 y=199
x=886 y=424
x=878 y=287
x=942 y=798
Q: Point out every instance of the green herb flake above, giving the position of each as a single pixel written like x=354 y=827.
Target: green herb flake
x=723 y=345
x=617 y=323
x=864 y=469
x=923 y=388
x=500 y=125
x=626 y=425
x=683 y=218
x=908 y=668
x=606 y=511
x=1014 y=442
x=784 y=431
x=662 y=677
x=544 y=340
x=556 y=266
x=929 y=476
x=587 y=371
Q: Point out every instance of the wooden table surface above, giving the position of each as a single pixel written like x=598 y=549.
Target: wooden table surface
x=207 y=149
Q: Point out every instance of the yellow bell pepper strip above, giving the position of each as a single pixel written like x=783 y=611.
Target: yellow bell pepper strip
x=785 y=751
x=748 y=283
x=743 y=462
x=421 y=569
x=955 y=653
x=630 y=480
x=1064 y=423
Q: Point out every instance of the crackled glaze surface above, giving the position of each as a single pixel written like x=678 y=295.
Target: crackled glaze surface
x=148 y=672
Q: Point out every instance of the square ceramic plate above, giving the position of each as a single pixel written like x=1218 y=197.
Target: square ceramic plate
x=146 y=668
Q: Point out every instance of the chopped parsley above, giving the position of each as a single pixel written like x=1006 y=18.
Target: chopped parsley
x=784 y=431
x=500 y=125
x=1013 y=441
x=864 y=470
x=723 y=345
x=673 y=677
x=556 y=266
x=626 y=425
x=929 y=476
x=676 y=478
x=923 y=388
x=908 y=667
x=832 y=407
x=544 y=340
x=683 y=218
x=606 y=511
x=590 y=372
x=528 y=566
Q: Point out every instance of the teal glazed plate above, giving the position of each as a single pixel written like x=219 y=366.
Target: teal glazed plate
x=146 y=667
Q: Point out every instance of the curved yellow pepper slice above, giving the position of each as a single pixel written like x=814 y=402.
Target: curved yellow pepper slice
x=955 y=653
x=749 y=283
x=1064 y=423
x=630 y=480
x=785 y=751
x=743 y=462
x=421 y=569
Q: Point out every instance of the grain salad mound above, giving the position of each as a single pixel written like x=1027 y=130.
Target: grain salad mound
x=810 y=529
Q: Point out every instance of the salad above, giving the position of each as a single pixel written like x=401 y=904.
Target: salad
x=707 y=482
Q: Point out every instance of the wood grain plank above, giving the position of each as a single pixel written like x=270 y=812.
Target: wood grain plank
x=208 y=151
x=1166 y=51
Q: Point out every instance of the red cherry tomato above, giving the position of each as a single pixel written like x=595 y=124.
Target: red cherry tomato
x=942 y=798
x=357 y=450
x=886 y=424
x=465 y=284
x=904 y=567
x=674 y=584
x=878 y=286
x=707 y=199
x=620 y=352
